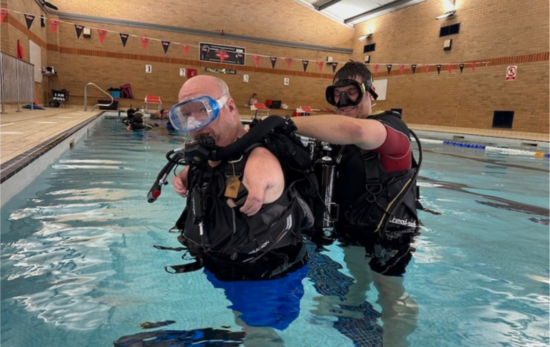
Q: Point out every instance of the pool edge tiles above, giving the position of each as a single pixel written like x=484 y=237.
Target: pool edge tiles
x=17 y=173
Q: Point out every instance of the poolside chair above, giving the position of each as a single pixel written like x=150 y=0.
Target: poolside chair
x=259 y=110
x=153 y=99
x=304 y=111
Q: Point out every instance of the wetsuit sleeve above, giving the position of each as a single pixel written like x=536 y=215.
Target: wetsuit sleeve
x=395 y=152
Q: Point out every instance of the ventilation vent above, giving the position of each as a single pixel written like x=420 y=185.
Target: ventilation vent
x=449 y=30
x=369 y=48
x=503 y=119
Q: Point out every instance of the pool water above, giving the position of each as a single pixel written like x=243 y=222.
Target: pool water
x=79 y=266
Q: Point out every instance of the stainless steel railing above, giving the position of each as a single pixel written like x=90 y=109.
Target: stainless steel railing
x=86 y=97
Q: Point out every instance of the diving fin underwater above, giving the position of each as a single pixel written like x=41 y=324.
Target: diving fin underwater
x=199 y=337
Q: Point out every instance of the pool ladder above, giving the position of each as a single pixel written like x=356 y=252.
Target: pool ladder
x=86 y=97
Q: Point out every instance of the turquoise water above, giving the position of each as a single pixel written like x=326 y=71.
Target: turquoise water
x=79 y=267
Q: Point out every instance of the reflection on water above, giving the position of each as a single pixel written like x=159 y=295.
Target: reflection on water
x=79 y=267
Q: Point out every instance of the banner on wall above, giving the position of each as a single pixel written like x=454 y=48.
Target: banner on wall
x=224 y=71
x=213 y=52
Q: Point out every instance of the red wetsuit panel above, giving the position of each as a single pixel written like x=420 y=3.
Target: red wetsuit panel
x=395 y=151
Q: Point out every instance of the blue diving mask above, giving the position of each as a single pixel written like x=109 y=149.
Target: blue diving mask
x=194 y=114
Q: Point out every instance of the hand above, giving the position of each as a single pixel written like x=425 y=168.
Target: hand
x=180 y=182
x=252 y=205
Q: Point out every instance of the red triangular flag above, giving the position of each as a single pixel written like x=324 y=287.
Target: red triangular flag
x=320 y=64
x=438 y=66
x=256 y=59
x=450 y=68
x=29 y=18
x=375 y=68
x=165 y=45
x=474 y=66
x=124 y=38
x=288 y=62
x=461 y=66
x=334 y=65
x=78 y=29
x=144 y=42
x=185 y=49
x=401 y=68
x=305 y=63
x=413 y=68
x=101 y=33
x=426 y=68
x=54 y=23
x=388 y=67
x=20 y=50
x=3 y=13
x=273 y=61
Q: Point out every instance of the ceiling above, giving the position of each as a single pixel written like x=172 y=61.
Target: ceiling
x=350 y=12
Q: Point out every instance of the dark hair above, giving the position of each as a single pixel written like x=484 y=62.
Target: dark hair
x=351 y=70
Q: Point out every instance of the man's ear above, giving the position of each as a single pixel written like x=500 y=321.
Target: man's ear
x=231 y=105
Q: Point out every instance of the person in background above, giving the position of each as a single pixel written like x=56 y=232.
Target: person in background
x=253 y=99
x=375 y=191
x=239 y=238
x=160 y=114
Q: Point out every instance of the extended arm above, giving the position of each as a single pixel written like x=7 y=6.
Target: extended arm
x=342 y=130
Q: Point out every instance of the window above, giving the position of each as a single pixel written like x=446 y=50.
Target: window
x=449 y=30
x=369 y=48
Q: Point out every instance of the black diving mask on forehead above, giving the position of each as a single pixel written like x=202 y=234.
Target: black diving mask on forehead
x=353 y=95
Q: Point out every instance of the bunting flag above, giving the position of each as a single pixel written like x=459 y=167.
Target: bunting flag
x=165 y=45
x=413 y=68
x=273 y=61
x=54 y=23
x=185 y=49
x=320 y=64
x=288 y=62
x=101 y=33
x=334 y=65
x=3 y=13
x=461 y=66
x=78 y=29
x=375 y=68
x=20 y=50
x=29 y=18
x=144 y=42
x=450 y=68
x=256 y=60
x=124 y=38
x=427 y=68
x=305 y=63
x=474 y=66
x=438 y=66
x=401 y=68
x=388 y=67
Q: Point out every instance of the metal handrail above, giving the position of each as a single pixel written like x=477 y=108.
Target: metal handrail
x=86 y=97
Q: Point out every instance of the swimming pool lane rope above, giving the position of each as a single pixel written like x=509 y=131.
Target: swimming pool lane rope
x=489 y=148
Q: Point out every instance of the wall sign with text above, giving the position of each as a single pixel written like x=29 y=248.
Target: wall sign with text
x=221 y=54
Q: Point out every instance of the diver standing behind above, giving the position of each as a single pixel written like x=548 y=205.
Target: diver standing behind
x=375 y=191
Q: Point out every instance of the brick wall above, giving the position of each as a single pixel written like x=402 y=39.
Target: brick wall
x=493 y=33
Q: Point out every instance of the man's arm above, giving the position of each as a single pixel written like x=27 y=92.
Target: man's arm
x=342 y=130
x=264 y=180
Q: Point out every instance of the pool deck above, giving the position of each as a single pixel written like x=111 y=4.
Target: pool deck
x=22 y=133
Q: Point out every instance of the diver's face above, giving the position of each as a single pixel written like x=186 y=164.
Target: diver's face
x=361 y=110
